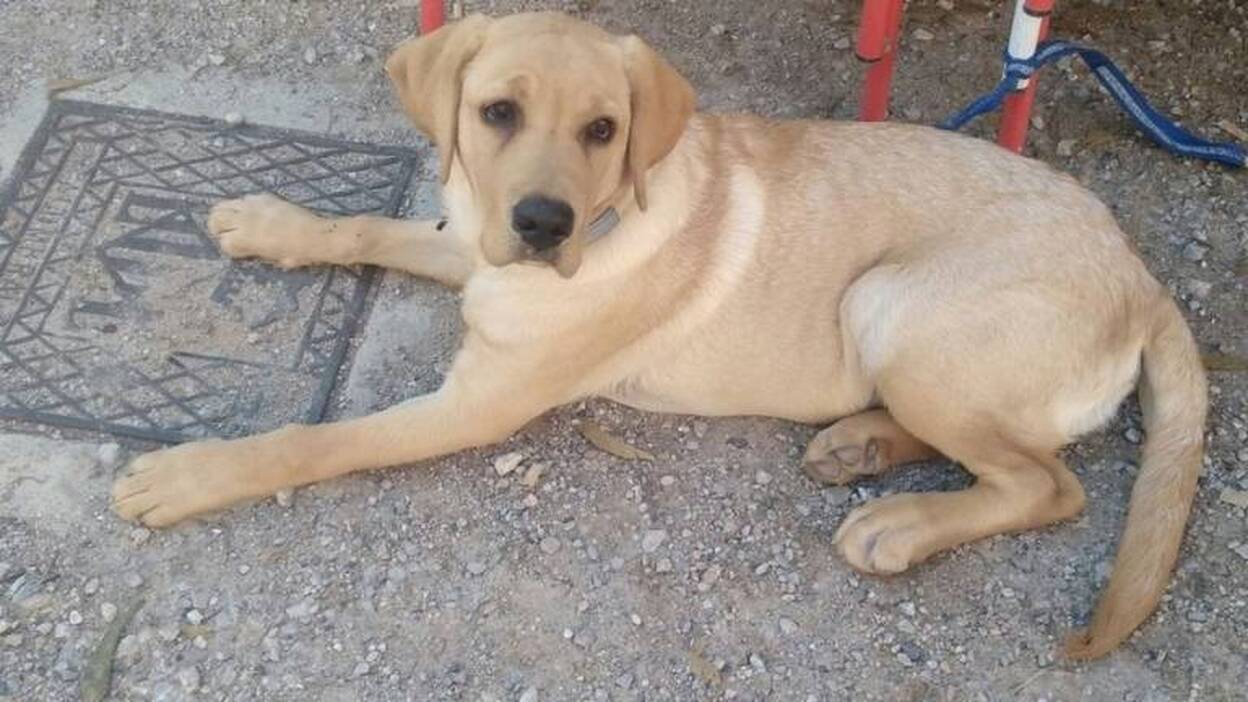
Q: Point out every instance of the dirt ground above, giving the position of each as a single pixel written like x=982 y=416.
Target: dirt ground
x=705 y=574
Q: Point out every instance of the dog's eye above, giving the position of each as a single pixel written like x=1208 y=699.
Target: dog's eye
x=600 y=130
x=500 y=114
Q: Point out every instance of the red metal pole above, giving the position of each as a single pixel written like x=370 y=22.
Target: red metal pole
x=432 y=15
x=1016 y=109
x=877 y=44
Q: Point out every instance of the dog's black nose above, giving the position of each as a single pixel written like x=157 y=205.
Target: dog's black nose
x=542 y=222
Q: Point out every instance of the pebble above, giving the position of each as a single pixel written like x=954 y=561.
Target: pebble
x=788 y=627
x=188 y=678
x=922 y=34
x=1133 y=435
x=108 y=612
x=91 y=587
x=1199 y=289
x=309 y=56
x=284 y=497
x=1066 y=147
x=842 y=43
x=907 y=608
x=533 y=475
x=757 y=663
x=108 y=454
x=946 y=5
x=550 y=545
x=508 y=462
x=75 y=617
x=663 y=566
x=233 y=118
x=216 y=59
x=476 y=567
x=709 y=577
x=652 y=540
x=529 y=695
x=1236 y=498
x=667 y=480
x=194 y=617
x=718 y=30
x=762 y=477
x=139 y=535
x=1195 y=251
x=133 y=580
x=361 y=669
x=303 y=609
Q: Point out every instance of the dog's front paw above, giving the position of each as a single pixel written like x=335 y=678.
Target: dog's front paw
x=884 y=536
x=164 y=487
x=841 y=464
x=264 y=226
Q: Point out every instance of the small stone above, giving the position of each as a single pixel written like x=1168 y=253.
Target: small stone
x=922 y=34
x=788 y=627
x=309 y=55
x=108 y=455
x=1235 y=498
x=139 y=535
x=530 y=500
x=284 y=497
x=13 y=640
x=233 y=118
x=188 y=678
x=667 y=480
x=652 y=540
x=476 y=567
x=194 y=617
x=718 y=30
x=550 y=545
x=709 y=577
x=108 y=612
x=635 y=619
x=1066 y=147
x=216 y=59
x=757 y=663
x=133 y=580
x=1195 y=251
x=946 y=5
x=908 y=609
x=762 y=477
x=1037 y=122
x=568 y=634
x=361 y=669
x=533 y=475
x=508 y=462
x=663 y=566
x=75 y=617
x=303 y=609
x=625 y=681
x=91 y=587
x=529 y=695
x=1133 y=435
x=842 y=44
x=1198 y=289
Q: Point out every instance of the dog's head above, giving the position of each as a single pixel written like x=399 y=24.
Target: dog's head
x=550 y=119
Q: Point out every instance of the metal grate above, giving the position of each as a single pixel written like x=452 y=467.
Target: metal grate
x=118 y=313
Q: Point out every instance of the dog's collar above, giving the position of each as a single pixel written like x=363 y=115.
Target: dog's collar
x=603 y=224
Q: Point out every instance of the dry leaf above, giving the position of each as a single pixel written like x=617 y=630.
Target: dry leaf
x=97 y=677
x=703 y=669
x=599 y=437
x=1224 y=362
x=1233 y=129
x=61 y=85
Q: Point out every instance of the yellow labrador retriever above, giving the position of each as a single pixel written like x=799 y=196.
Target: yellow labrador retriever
x=925 y=292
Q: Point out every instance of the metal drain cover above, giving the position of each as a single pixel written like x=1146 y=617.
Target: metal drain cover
x=118 y=313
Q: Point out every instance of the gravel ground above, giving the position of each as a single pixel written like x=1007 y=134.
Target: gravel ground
x=707 y=573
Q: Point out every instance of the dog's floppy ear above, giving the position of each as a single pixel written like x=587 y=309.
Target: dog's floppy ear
x=661 y=101
x=427 y=71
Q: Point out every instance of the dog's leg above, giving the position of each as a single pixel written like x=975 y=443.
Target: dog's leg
x=267 y=227
x=863 y=444
x=1013 y=491
x=488 y=395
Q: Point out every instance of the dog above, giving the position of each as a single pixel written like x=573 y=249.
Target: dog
x=925 y=293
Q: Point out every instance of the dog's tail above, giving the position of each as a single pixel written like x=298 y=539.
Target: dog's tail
x=1173 y=398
